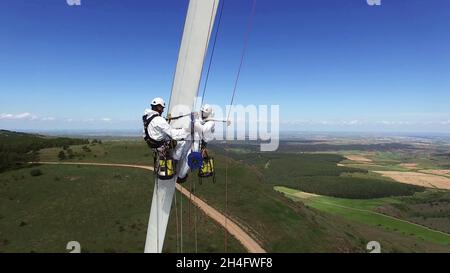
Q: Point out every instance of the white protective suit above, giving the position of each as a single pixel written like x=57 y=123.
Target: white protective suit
x=204 y=130
x=159 y=129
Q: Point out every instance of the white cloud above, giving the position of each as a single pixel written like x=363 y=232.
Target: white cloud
x=89 y=120
x=25 y=115
x=6 y=116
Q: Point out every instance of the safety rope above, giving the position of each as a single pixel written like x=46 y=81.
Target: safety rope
x=193 y=140
x=250 y=24
x=175 y=70
x=226 y=202
x=190 y=205
x=195 y=224
x=185 y=58
x=176 y=220
x=247 y=36
x=181 y=221
x=192 y=125
x=212 y=51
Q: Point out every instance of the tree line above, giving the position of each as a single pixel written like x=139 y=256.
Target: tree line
x=16 y=149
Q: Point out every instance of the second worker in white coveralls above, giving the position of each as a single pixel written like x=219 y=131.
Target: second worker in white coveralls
x=204 y=132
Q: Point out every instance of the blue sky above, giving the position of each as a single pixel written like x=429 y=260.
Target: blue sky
x=330 y=65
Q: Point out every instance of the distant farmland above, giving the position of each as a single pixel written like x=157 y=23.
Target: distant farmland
x=319 y=173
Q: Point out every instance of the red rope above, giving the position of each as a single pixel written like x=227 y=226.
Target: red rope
x=247 y=36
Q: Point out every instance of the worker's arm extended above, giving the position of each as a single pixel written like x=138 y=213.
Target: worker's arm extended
x=176 y=134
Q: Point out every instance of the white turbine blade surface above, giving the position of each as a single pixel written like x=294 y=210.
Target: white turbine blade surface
x=159 y=215
x=194 y=44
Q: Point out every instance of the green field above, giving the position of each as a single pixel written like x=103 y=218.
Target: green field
x=126 y=152
x=363 y=211
x=319 y=173
x=390 y=161
x=16 y=149
x=251 y=203
x=430 y=208
x=106 y=208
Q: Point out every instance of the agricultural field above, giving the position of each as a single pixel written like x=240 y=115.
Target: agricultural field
x=42 y=207
x=367 y=211
x=320 y=174
x=353 y=185
x=431 y=209
x=251 y=203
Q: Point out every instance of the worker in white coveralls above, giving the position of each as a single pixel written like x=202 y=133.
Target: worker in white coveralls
x=204 y=131
x=160 y=135
x=204 y=126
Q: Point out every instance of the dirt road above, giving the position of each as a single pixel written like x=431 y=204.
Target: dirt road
x=248 y=242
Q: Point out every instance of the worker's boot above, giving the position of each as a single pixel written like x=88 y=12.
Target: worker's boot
x=182 y=180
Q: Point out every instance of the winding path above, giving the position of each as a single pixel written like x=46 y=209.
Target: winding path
x=246 y=240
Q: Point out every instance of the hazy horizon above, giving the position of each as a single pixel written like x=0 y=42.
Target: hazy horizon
x=330 y=65
x=284 y=134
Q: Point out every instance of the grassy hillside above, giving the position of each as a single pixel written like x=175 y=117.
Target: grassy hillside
x=280 y=224
x=127 y=152
x=431 y=209
x=18 y=148
x=364 y=211
x=105 y=209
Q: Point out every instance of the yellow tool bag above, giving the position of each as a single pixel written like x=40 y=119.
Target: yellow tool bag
x=166 y=168
x=207 y=169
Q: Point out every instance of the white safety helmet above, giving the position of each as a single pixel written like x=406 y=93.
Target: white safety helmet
x=206 y=110
x=158 y=101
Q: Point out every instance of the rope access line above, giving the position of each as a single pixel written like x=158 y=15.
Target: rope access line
x=175 y=70
x=213 y=50
x=247 y=36
x=244 y=50
x=181 y=221
x=192 y=125
x=176 y=218
x=195 y=225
